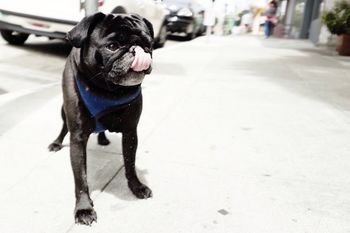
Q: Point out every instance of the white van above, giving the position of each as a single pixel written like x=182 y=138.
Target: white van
x=53 y=19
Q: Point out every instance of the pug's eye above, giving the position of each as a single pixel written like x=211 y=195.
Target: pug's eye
x=112 y=47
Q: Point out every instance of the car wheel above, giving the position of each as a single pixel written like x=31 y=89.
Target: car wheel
x=190 y=35
x=14 y=38
x=201 y=31
x=161 y=39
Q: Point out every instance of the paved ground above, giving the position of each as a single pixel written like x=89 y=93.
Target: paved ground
x=238 y=134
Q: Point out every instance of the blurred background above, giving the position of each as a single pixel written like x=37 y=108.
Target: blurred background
x=40 y=25
x=295 y=18
x=245 y=127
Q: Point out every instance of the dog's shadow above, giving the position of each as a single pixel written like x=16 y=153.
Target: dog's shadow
x=105 y=169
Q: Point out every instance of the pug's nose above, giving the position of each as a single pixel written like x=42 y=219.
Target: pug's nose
x=142 y=60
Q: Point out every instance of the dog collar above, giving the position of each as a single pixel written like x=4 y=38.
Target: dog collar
x=98 y=105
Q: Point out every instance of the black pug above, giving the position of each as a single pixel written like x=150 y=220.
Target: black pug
x=102 y=92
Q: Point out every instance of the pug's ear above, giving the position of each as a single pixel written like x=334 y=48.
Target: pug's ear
x=150 y=27
x=78 y=35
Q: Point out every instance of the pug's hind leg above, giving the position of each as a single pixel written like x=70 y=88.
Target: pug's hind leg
x=57 y=144
x=102 y=139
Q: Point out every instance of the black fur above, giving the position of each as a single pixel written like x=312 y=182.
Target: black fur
x=105 y=72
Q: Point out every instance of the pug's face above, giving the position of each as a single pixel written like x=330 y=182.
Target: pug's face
x=107 y=46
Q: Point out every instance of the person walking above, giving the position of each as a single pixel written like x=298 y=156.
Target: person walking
x=209 y=18
x=271 y=18
x=247 y=21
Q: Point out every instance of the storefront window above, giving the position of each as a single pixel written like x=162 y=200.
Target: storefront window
x=298 y=17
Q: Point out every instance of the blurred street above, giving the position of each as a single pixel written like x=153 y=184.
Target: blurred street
x=41 y=60
x=238 y=134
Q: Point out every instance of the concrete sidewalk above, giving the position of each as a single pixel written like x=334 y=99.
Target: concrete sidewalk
x=238 y=134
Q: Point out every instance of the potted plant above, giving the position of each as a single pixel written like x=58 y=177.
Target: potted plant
x=337 y=21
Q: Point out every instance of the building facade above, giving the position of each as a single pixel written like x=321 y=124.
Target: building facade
x=302 y=20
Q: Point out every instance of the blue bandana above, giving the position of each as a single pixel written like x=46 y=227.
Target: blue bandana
x=97 y=104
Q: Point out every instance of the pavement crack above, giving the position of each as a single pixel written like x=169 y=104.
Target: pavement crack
x=110 y=180
x=9 y=112
x=101 y=191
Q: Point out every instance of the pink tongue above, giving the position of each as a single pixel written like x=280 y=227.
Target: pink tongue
x=142 y=60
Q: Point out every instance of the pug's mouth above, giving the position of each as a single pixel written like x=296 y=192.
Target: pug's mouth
x=124 y=72
x=130 y=78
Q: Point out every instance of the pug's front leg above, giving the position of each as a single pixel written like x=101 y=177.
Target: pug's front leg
x=84 y=212
x=129 y=141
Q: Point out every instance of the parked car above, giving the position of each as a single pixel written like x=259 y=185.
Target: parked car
x=185 y=16
x=53 y=19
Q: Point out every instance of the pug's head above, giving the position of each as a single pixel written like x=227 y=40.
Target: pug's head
x=116 y=48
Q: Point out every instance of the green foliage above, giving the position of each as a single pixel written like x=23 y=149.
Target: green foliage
x=337 y=20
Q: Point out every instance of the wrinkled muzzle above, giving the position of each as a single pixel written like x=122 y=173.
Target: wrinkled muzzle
x=130 y=68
